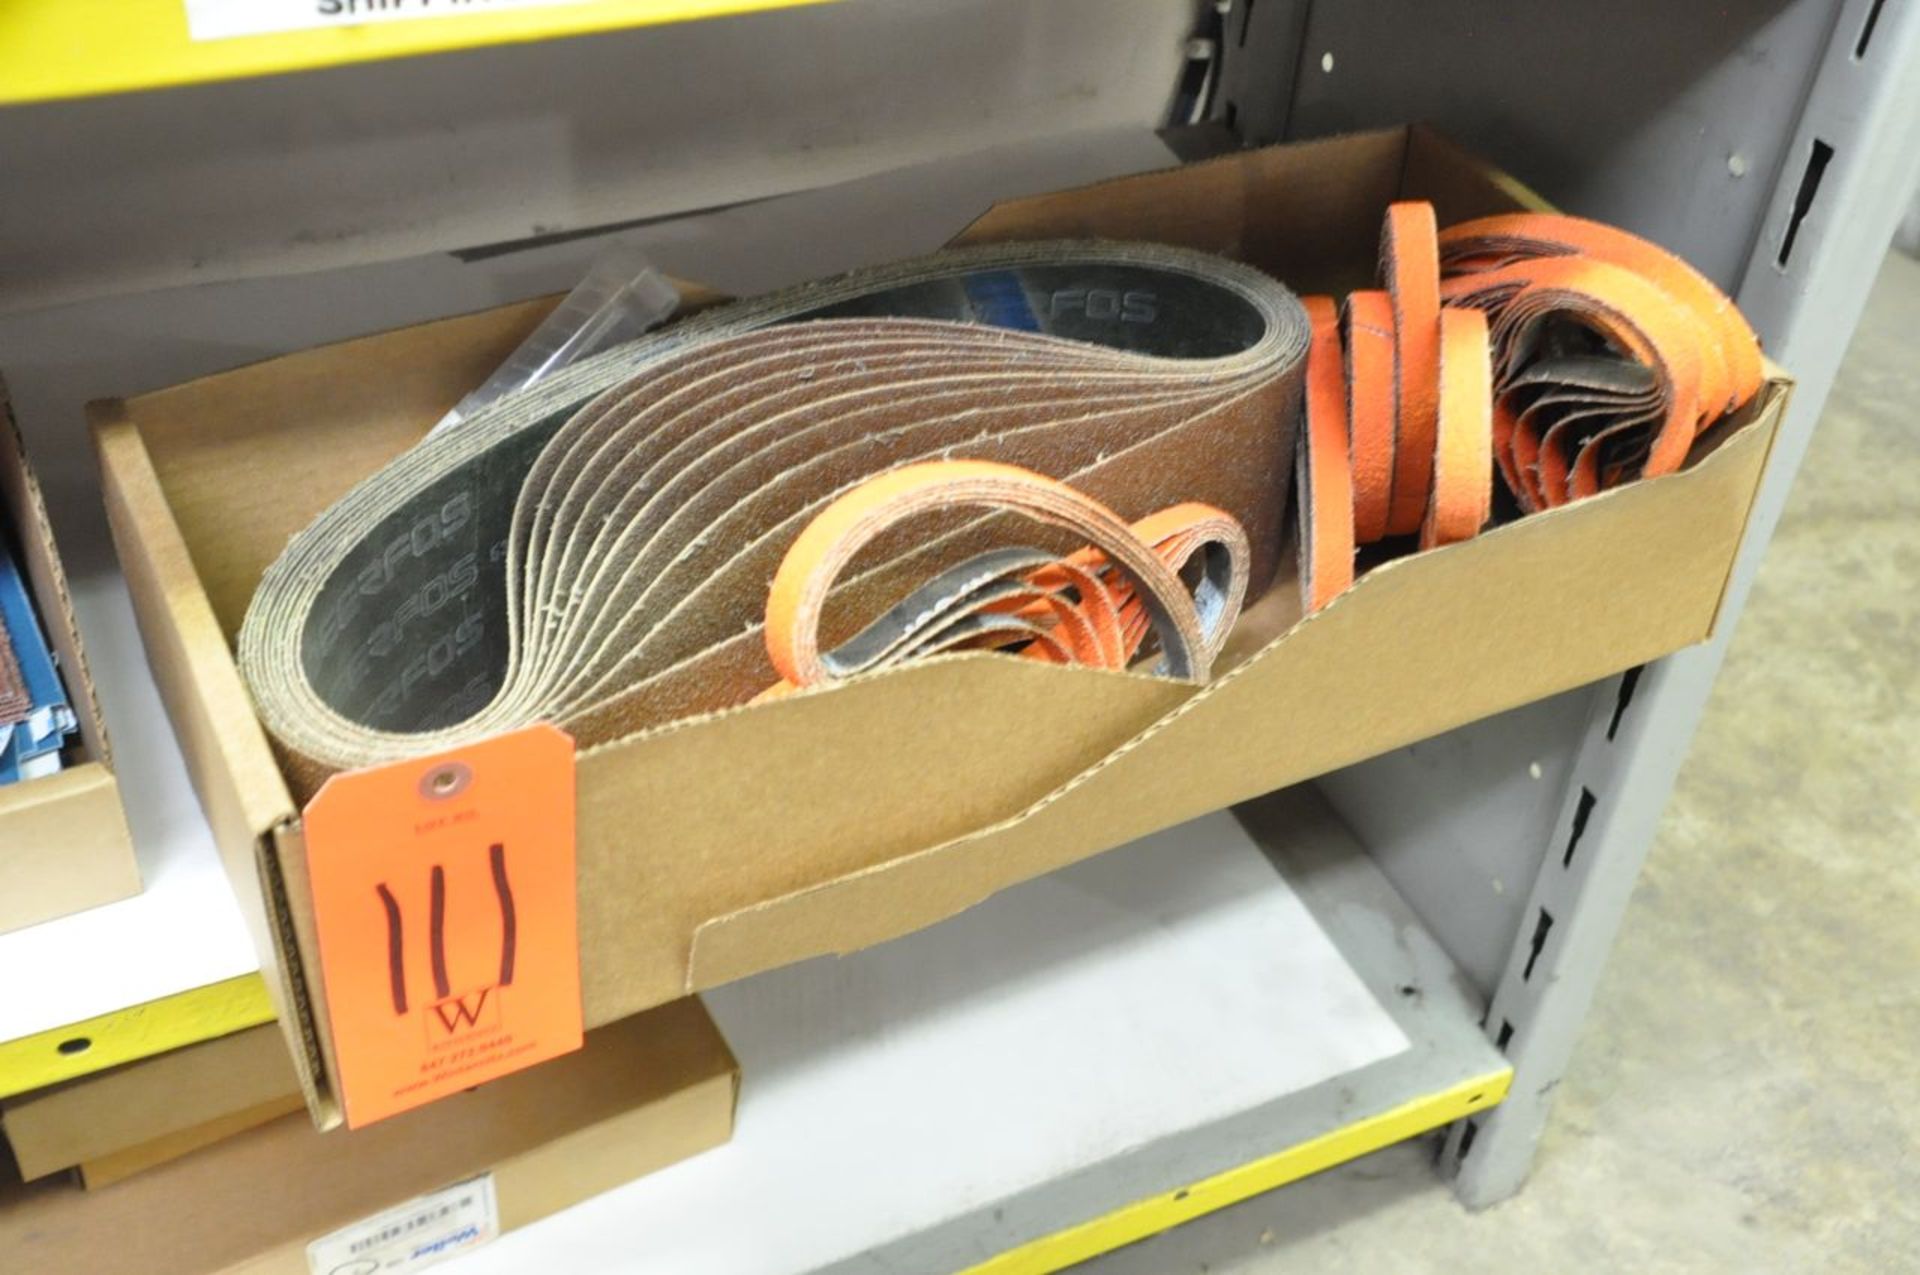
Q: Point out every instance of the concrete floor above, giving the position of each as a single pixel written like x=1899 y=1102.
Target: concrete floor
x=1746 y=1096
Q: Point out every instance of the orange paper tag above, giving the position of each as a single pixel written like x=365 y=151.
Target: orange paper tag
x=444 y=894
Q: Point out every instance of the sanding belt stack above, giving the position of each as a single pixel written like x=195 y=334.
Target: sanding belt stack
x=596 y=551
x=1058 y=448
x=1568 y=355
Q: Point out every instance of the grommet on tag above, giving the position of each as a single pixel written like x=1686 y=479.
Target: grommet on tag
x=448 y=779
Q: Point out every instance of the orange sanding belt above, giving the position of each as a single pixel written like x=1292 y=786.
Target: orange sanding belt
x=1665 y=355
x=1367 y=329
x=1732 y=369
x=1178 y=535
x=1410 y=266
x=1573 y=434
x=1324 y=477
x=1569 y=355
x=1399 y=414
x=1094 y=607
x=1462 y=498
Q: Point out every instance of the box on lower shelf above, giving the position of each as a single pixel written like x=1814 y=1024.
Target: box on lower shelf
x=739 y=842
x=64 y=844
x=641 y=1095
x=145 y=1113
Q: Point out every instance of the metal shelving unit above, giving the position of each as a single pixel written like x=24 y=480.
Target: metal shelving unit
x=1773 y=142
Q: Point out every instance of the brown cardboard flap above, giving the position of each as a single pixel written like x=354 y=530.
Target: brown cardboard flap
x=280 y=860
x=1460 y=184
x=1418 y=645
x=227 y=754
x=1779 y=400
x=716 y=814
x=64 y=846
x=161 y=576
x=1307 y=213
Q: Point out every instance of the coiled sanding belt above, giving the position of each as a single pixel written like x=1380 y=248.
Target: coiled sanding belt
x=1092 y=608
x=1611 y=355
x=597 y=551
x=1572 y=355
x=1324 y=477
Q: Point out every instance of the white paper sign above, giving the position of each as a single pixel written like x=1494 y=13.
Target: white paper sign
x=221 y=19
x=412 y=1236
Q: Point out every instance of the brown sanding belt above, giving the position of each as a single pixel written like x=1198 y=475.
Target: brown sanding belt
x=597 y=551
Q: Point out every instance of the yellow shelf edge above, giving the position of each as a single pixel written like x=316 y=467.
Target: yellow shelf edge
x=57 y=49
x=138 y=1031
x=1158 y=1213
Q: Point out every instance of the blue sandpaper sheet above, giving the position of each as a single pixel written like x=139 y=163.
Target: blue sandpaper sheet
x=30 y=746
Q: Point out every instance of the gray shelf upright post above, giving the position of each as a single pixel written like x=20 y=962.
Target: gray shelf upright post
x=1831 y=218
x=1772 y=142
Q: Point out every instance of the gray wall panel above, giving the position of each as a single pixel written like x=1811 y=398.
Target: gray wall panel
x=1631 y=111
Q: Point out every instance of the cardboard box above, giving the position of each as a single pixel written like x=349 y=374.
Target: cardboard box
x=119 y=1165
x=715 y=848
x=144 y=1113
x=641 y=1095
x=64 y=845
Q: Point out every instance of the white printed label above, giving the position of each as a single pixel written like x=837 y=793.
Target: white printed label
x=221 y=19
x=412 y=1236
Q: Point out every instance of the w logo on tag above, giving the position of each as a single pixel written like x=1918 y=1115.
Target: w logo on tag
x=451 y=1017
x=461 y=1016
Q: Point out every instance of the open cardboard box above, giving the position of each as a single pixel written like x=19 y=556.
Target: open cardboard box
x=714 y=848
x=64 y=845
x=642 y=1094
